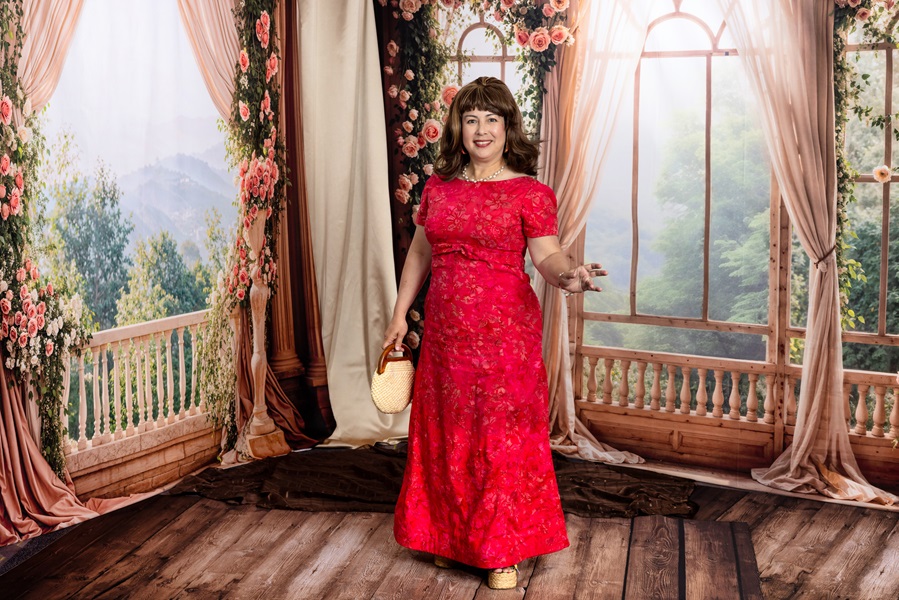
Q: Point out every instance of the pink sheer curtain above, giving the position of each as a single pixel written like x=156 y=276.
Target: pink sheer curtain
x=787 y=48
x=584 y=94
x=213 y=36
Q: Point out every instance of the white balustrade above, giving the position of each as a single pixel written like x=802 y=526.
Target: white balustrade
x=143 y=406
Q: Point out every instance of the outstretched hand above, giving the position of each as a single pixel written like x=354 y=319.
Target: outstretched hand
x=580 y=279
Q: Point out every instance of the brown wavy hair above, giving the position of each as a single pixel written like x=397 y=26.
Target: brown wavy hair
x=491 y=94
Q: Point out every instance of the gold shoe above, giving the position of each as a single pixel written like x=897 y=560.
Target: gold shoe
x=443 y=563
x=499 y=580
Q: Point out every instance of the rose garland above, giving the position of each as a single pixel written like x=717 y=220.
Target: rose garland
x=877 y=21
x=39 y=326
x=256 y=149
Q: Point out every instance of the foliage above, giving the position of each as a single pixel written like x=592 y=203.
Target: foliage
x=88 y=232
x=255 y=147
x=159 y=283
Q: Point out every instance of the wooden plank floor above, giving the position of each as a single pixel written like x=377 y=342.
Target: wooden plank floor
x=190 y=547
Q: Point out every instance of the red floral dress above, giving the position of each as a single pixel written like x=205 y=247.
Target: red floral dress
x=479 y=486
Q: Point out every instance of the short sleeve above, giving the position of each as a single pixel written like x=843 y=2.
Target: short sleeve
x=421 y=214
x=538 y=213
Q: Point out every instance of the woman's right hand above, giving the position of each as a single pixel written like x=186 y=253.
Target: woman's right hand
x=396 y=333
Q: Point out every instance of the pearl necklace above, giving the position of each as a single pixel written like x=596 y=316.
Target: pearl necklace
x=488 y=178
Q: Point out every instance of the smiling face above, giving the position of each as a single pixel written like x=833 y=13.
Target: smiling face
x=483 y=136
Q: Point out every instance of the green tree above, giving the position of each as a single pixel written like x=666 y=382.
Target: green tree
x=159 y=283
x=88 y=232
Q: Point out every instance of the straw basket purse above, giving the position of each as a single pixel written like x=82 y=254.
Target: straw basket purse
x=391 y=383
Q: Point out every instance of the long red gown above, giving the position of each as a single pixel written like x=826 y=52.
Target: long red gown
x=479 y=486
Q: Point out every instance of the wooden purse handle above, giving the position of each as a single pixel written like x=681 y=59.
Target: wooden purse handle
x=386 y=358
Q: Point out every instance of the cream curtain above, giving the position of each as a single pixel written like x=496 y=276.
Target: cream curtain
x=48 y=26
x=787 y=47
x=349 y=209
x=213 y=36
x=585 y=92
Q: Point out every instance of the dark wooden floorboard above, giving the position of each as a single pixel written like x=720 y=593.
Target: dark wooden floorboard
x=191 y=548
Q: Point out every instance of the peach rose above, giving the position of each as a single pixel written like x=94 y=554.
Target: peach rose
x=241 y=294
x=4 y=164
x=540 y=39
x=392 y=48
x=401 y=196
x=428 y=169
x=882 y=174
x=14 y=206
x=408 y=16
x=548 y=10
x=266 y=103
x=413 y=114
x=388 y=69
x=410 y=146
x=507 y=4
x=35 y=275
x=49 y=289
x=410 y=6
x=409 y=75
x=392 y=91
x=20 y=181
x=560 y=5
x=48 y=349
x=260 y=29
x=31 y=312
x=5 y=306
x=266 y=20
x=13 y=334
x=21 y=274
x=244 y=61
x=432 y=130
x=422 y=142
x=5 y=110
x=264 y=41
x=862 y=14
x=24 y=292
x=2 y=191
x=32 y=327
x=405 y=96
x=448 y=94
x=522 y=37
x=498 y=16
x=405 y=183
x=40 y=321
x=41 y=308
x=413 y=178
x=407 y=126
x=244 y=110
x=558 y=34
x=23 y=340
x=4 y=211
x=273 y=63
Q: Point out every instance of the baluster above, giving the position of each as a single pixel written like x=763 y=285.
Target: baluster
x=129 y=406
x=607 y=382
x=655 y=394
x=718 y=395
x=199 y=395
x=117 y=392
x=847 y=392
x=790 y=401
x=160 y=390
x=685 y=397
x=182 y=382
x=702 y=395
x=769 y=398
x=734 y=395
x=97 y=438
x=880 y=415
x=752 y=399
x=194 y=367
x=591 y=378
x=139 y=377
x=148 y=385
x=169 y=380
x=861 y=410
x=104 y=372
x=640 y=389
x=82 y=404
x=63 y=418
x=670 y=393
x=894 y=415
x=623 y=386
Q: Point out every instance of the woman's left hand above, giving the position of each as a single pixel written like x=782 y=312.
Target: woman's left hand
x=580 y=279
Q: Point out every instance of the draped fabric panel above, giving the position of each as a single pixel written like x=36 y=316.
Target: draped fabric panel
x=213 y=36
x=787 y=48
x=349 y=207
x=48 y=26
x=584 y=94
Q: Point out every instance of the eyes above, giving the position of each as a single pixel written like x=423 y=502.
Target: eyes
x=473 y=121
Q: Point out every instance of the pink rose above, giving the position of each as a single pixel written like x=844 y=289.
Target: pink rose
x=404 y=96
x=244 y=110
x=540 y=39
x=410 y=146
x=49 y=289
x=498 y=16
x=389 y=70
x=264 y=41
x=402 y=196
x=244 y=277
x=5 y=306
x=40 y=321
x=240 y=293
x=21 y=274
x=244 y=61
x=24 y=292
x=5 y=110
x=405 y=183
x=448 y=93
x=34 y=273
x=14 y=197
x=409 y=75
x=266 y=103
x=507 y=4
x=422 y=142
x=413 y=178
x=273 y=63
x=48 y=349
x=428 y=169
x=392 y=91
x=522 y=37
x=268 y=213
x=4 y=164
x=2 y=191
x=41 y=308
x=862 y=14
x=4 y=330
x=392 y=48
x=4 y=211
x=407 y=126
x=548 y=10
x=20 y=181
x=32 y=327
x=560 y=5
x=13 y=333
x=23 y=340
x=408 y=16
x=260 y=29
x=432 y=130
x=32 y=312
x=413 y=114
x=558 y=34
x=410 y=6
x=265 y=19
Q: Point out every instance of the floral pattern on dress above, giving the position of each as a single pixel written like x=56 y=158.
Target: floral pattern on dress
x=479 y=486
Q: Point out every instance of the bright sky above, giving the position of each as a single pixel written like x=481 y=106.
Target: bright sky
x=130 y=89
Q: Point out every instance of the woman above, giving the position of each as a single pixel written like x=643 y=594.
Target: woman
x=479 y=486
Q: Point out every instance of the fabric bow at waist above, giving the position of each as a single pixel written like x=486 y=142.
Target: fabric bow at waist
x=494 y=256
